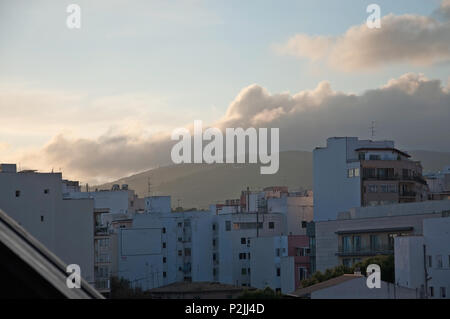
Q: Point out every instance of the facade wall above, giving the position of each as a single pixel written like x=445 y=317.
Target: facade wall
x=436 y=233
x=65 y=227
x=409 y=262
x=333 y=191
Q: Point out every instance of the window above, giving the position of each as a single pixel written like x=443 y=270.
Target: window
x=443 y=292
x=46 y=191
x=164 y=245
x=244 y=271
x=439 y=261
x=180 y=224
x=187 y=251
x=42 y=218
x=361 y=156
x=392 y=188
x=164 y=230
x=227 y=225
x=104 y=242
x=214 y=257
x=17 y=193
x=164 y=260
x=374 y=242
x=357 y=243
x=278 y=272
x=346 y=262
x=346 y=243
x=277 y=252
x=214 y=243
x=214 y=227
x=103 y=258
x=431 y=291
x=271 y=225
x=350 y=173
x=299 y=252
x=248 y=271
x=372 y=188
x=353 y=172
x=180 y=253
x=375 y=157
x=164 y=274
x=430 y=261
x=302 y=272
x=384 y=188
x=248 y=255
x=243 y=241
x=242 y=255
x=180 y=239
x=304 y=224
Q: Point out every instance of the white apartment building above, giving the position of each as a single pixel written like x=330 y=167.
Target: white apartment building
x=270 y=213
x=439 y=184
x=118 y=203
x=64 y=226
x=350 y=172
x=235 y=233
x=163 y=247
x=270 y=264
x=426 y=256
x=362 y=232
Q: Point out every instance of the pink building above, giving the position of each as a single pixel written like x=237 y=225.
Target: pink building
x=298 y=247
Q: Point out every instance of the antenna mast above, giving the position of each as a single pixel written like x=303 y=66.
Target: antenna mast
x=372 y=129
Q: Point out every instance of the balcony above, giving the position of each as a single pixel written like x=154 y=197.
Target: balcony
x=365 y=251
x=102 y=284
x=417 y=179
x=408 y=194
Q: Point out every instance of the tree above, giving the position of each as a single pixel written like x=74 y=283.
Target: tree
x=266 y=293
x=121 y=289
x=386 y=263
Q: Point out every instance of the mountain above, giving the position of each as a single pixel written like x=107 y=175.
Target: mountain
x=198 y=185
x=431 y=161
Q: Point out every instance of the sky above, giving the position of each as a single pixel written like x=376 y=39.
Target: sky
x=99 y=102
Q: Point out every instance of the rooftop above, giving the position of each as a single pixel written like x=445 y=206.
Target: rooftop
x=325 y=284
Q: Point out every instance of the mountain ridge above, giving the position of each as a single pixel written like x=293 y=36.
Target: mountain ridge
x=199 y=185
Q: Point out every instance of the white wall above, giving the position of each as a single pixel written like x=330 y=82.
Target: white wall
x=436 y=233
x=409 y=262
x=65 y=227
x=333 y=191
x=158 y=204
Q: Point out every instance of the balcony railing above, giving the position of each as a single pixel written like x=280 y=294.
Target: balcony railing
x=366 y=251
x=417 y=179
x=408 y=194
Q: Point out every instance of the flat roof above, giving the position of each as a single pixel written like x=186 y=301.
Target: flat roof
x=325 y=284
x=374 y=230
x=382 y=149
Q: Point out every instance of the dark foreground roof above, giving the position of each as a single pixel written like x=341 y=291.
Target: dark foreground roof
x=324 y=284
x=30 y=270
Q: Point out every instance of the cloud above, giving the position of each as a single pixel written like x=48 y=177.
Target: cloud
x=412 y=39
x=443 y=12
x=411 y=109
